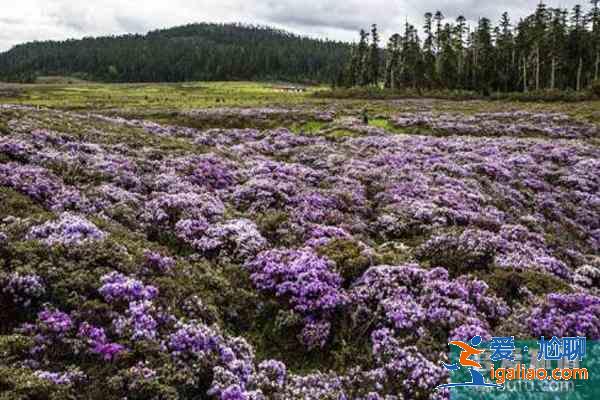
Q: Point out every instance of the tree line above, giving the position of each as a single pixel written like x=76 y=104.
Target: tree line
x=553 y=48
x=195 y=52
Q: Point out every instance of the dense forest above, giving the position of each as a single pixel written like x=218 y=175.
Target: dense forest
x=192 y=52
x=553 y=48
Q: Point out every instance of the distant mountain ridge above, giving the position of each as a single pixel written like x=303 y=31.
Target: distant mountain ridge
x=203 y=51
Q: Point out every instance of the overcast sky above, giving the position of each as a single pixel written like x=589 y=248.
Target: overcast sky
x=27 y=20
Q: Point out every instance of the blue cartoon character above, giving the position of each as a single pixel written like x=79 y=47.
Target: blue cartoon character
x=465 y=360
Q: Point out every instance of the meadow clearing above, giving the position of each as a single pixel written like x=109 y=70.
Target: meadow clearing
x=236 y=240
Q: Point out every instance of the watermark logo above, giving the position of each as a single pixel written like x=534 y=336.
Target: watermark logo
x=465 y=361
x=505 y=368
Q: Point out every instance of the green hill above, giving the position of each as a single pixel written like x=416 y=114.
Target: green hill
x=191 y=52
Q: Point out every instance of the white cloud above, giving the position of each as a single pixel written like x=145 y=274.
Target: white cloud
x=27 y=20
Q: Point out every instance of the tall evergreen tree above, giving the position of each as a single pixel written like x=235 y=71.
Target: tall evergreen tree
x=393 y=61
x=459 y=43
x=595 y=20
x=485 y=63
x=557 y=39
x=505 y=43
x=362 y=54
x=374 y=62
x=539 y=37
x=429 y=60
x=576 y=44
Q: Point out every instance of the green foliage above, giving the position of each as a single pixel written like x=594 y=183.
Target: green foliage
x=348 y=257
x=340 y=134
x=21 y=384
x=3 y=128
x=18 y=205
x=596 y=88
x=507 y=283
x=270 y=223
x=544 y=96
x=376 y=93
x=456 y=259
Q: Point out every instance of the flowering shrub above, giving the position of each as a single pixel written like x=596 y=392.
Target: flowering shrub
x=51 y=328
x=24 y=288
x=41 y=185
x=567 y=315
x=158 y=263
x=139 y=321
x=58 y=378
x=116 y=286
x=165 y=210
x=514 y=247
x=192 y=340
x=69 y=229
x=212 y=172
x=349 y=250
x=516 y=123
x=419 y=302
x=239 y=238
x=306 y=280
x=416 y=372
x=98 y=343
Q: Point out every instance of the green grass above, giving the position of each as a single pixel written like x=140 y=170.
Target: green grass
x=310 y=127
x=149 y=100
x=81 y=95
x=386 y=124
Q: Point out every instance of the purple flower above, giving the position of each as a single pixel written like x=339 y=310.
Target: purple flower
x=63 y=379
x=98 y=343
x=416 y=301
x=157 y=262
x=308 y=283
x=69 y=229
x=24 y=288
x=193 y=340
x=139 y=320
x=116 y=287
x=108 y=351
x=55 y=322
x=567 y=315
x=238 y=238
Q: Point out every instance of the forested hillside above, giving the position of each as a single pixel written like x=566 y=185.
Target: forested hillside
x=191 y=52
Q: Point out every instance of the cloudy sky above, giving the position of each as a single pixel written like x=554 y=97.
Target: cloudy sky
x=27 y=20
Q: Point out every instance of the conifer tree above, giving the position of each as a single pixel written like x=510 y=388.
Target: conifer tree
x=374 y=61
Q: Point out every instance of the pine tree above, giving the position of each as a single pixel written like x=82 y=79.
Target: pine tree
x=576 y=45
x=557 y=38
x=523 y=43
x=539 y=33
x=459 y=38
x=393 y=61
x=439 y=17
x=506 y=53
x=374 y=57
x=362 y=65
x=448 y=64
x=595 y=19
x=551 y=48
x=485 y=63
x=429 y=59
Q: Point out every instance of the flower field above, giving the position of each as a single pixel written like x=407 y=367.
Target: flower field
x=303 y=254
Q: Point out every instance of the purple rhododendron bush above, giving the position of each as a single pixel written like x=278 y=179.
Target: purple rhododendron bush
x=147 y=260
